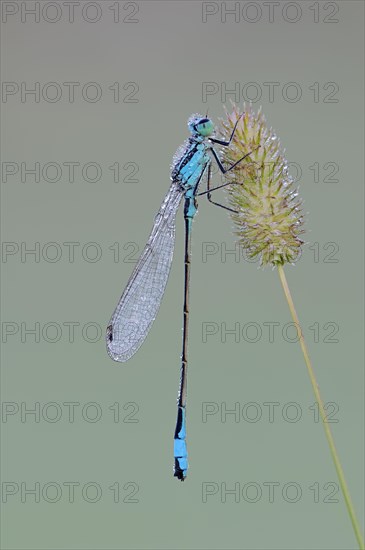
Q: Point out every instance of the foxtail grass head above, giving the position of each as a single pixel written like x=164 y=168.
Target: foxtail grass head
x=267 y=215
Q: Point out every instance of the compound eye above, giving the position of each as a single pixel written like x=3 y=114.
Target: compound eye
x=205 y=127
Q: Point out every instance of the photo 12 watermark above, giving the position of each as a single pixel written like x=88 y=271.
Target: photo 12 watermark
x=59 y=11
x=69 y=492
x=70 y=412
x=223 y=252
x=271 y=412
x=69 y=252
x=69 y=171
x=69 y=92
x=269 y=332
x=253 y=492
x=272 y=92
x=243 y=12
x=321 y=172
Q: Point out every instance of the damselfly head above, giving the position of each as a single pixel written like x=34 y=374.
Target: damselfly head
x=199 y=125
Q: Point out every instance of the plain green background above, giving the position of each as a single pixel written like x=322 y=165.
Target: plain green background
x=169 y=52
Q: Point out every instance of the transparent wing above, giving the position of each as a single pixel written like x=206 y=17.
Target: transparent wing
x=140 y=301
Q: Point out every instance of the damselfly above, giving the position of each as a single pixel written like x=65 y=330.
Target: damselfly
x=140 y=301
